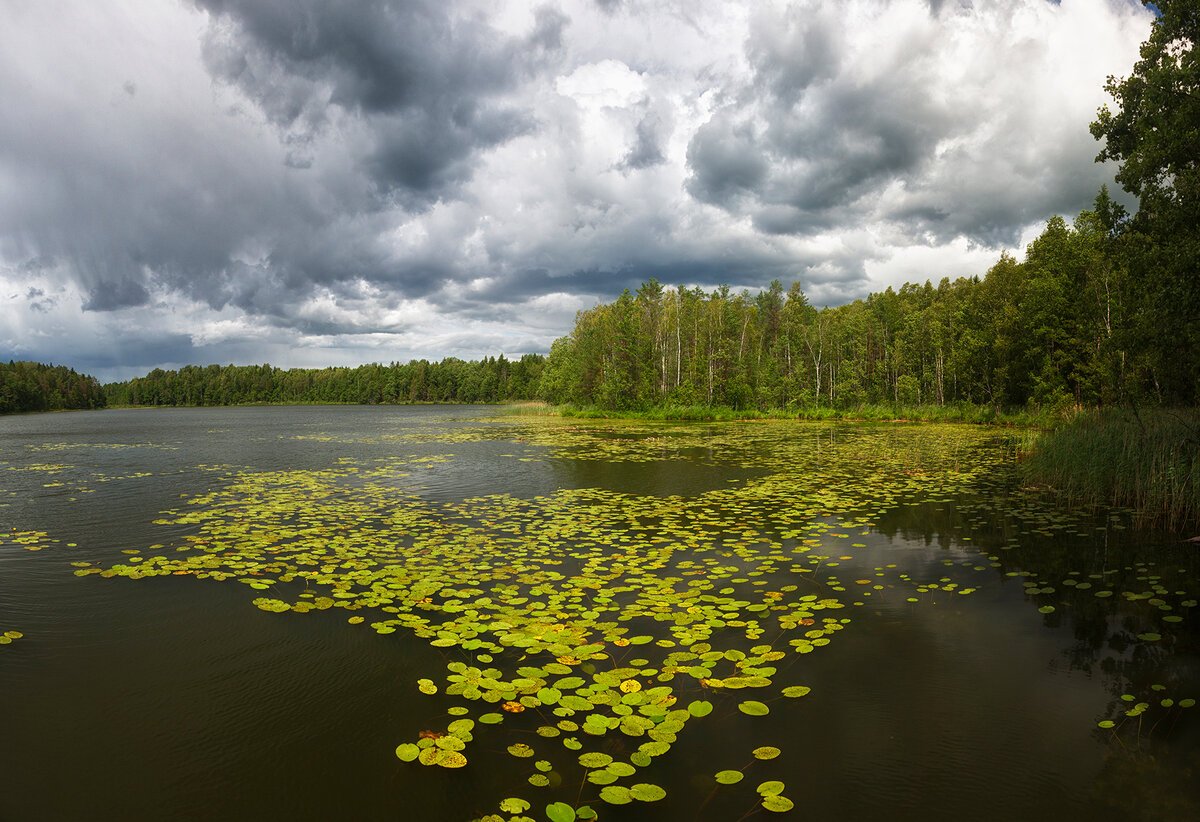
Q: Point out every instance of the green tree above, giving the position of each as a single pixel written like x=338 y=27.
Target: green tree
x=1155 y=135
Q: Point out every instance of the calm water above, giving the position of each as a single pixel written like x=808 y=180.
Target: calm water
x=174 y=697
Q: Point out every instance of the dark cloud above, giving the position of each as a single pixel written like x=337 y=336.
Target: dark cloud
x=726 y=162
x=828 y=139
x=646 y=150
x=381 y=106
x=426 y=84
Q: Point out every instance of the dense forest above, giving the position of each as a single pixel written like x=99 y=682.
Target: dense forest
x=31 y=386
x=1061 y=327
x=492 y=379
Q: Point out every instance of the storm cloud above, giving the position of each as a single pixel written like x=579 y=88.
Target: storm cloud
x=340 y=181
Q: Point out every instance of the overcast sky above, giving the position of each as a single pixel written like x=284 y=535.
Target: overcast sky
x=326 y=182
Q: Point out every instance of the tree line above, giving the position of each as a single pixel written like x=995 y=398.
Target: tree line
x=1063 y=326
x=32 y=386
x=489 y=380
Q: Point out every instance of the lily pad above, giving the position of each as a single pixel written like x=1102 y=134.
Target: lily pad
x=778 y=804
x=560 y=812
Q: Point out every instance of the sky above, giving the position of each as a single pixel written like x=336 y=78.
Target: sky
x=335 y=182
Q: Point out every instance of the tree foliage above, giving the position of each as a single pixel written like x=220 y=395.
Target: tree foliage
x=1155 y=135
x=32 y=386
x=1050 y=330
x=492 y=379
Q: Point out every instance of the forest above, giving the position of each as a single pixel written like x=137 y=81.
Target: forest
x=31 y=386
x=490 y=380
x=1070 y=325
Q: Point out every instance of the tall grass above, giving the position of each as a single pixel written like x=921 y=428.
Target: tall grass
x=1148 y=461
x=976 y=414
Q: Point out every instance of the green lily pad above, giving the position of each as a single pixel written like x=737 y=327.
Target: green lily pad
x=616 y=795
x=646 y=792
x=560 y=812
x=753 y=708
x=594 y=759
x=778 y=804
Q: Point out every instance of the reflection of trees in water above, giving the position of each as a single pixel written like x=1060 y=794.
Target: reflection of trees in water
x=1145 y=785
x=1152 y=767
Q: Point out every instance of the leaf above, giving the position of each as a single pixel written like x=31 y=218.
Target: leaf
x=646 y=792
x=770 y=788
x=560 y=812
x=753 y=708
x=594 y=759
x=765 y=752
x=777 y=804
x=730 y=777
x=615 y=795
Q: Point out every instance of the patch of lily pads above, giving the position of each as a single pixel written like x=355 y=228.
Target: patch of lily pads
x=576 y=619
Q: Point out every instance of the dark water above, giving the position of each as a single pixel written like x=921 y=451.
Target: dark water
x=175 y=698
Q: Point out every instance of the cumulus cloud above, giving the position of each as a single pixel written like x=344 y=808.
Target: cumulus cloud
x=373 y=179
x=968 y=121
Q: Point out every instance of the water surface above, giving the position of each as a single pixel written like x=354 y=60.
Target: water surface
x=171 y=695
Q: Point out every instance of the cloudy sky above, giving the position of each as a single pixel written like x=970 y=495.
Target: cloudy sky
x=323 y=182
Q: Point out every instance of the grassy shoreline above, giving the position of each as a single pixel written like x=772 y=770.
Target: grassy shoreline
x=976 y=415
x=1147 y=461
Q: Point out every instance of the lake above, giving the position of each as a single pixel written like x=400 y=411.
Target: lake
x=425 y=612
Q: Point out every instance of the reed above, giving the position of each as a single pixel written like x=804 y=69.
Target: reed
x=1148 y=461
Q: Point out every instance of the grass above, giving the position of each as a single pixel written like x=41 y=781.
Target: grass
x=981 y=415
x=1148 y=461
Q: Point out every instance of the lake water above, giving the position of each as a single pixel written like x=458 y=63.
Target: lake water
x=236 y=614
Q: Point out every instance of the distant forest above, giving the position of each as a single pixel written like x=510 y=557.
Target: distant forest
x=31 y=386
x=492 y=379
